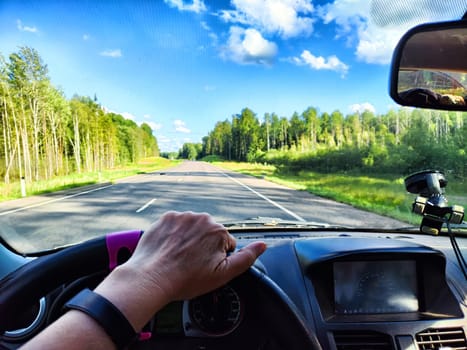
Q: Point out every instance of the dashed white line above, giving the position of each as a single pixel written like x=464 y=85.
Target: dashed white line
x=146 y=205
x=298 y=217
x=52 y=200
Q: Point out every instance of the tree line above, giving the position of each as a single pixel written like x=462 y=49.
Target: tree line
x=43 y=134
x=399 y=142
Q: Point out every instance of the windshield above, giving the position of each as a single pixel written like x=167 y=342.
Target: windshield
x=243 y=109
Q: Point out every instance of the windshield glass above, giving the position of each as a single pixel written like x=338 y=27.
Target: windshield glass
x=244 y=109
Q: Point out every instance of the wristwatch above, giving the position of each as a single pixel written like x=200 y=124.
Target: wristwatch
x=109 y=317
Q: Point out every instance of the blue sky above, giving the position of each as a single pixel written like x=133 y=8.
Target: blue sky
x=182 y=65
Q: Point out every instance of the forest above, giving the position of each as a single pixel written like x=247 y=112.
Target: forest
x=43 y=134
x=399 y=142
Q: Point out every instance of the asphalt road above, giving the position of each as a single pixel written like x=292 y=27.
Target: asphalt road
x=43 y=222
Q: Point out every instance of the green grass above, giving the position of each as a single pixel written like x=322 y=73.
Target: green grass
x=13 y=189
x=383 y=194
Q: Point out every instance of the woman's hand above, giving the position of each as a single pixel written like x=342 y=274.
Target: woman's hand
x=186 y=254
x=182 y=255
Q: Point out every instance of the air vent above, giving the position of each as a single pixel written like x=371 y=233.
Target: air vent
x=451 y=338
x=362 y=341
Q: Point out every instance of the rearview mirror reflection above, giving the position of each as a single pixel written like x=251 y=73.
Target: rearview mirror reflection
x=430 y=67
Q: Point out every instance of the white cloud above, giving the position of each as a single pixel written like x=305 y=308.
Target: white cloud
x=180 y=126
x=168 y=144
x=287 y=18
x=111 y=53
x=320 y=63
x=24 y=28
x=375 y=27
x=154 y=126
x=362 y=107
x=197 y=6
x=213 y=37
x=205 y=26
x=127 y=115
x=210 y=32
x=163 y=139
x=248 y=46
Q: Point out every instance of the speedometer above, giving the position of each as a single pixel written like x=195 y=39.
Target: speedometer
x=217 y=313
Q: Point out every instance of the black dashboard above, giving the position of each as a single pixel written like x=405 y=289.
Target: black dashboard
x=354 y=290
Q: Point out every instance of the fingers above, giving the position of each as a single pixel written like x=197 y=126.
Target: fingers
x=230 y=243
x=188 y=247
x=241 y=260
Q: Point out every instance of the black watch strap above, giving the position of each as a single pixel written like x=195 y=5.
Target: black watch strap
x=106 y=314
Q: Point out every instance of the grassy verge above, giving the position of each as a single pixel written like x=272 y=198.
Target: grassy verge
x=383 y=194
x=13 y=190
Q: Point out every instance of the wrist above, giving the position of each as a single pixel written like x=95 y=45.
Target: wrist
x=107 y=315
x=137 y=298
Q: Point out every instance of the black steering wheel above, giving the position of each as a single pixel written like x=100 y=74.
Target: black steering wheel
x=22 y=288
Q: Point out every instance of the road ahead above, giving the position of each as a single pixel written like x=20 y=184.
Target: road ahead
x=133 y=203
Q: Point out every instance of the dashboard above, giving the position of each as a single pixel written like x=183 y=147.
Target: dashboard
x=354 y=290
x=360 y=289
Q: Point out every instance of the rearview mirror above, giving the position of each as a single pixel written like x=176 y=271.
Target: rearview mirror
x=429 y=67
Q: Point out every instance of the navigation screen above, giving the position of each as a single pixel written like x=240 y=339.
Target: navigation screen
x=375 y=287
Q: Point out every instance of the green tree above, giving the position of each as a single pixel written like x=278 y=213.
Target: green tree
x=312 y=126
x=42 y=134
x=245 y=131
x=190 y=151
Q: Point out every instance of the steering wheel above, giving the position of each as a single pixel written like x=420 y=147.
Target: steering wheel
x=22 y=288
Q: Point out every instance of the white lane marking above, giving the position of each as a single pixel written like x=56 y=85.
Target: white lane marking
x=299 y=218
x=53 y=200
x=146 y=205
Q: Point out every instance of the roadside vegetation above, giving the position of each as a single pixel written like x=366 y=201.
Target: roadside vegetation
x=360 y=158
x=45 y=137
x=13 y=189
x=398 y=142
x=383 y=194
